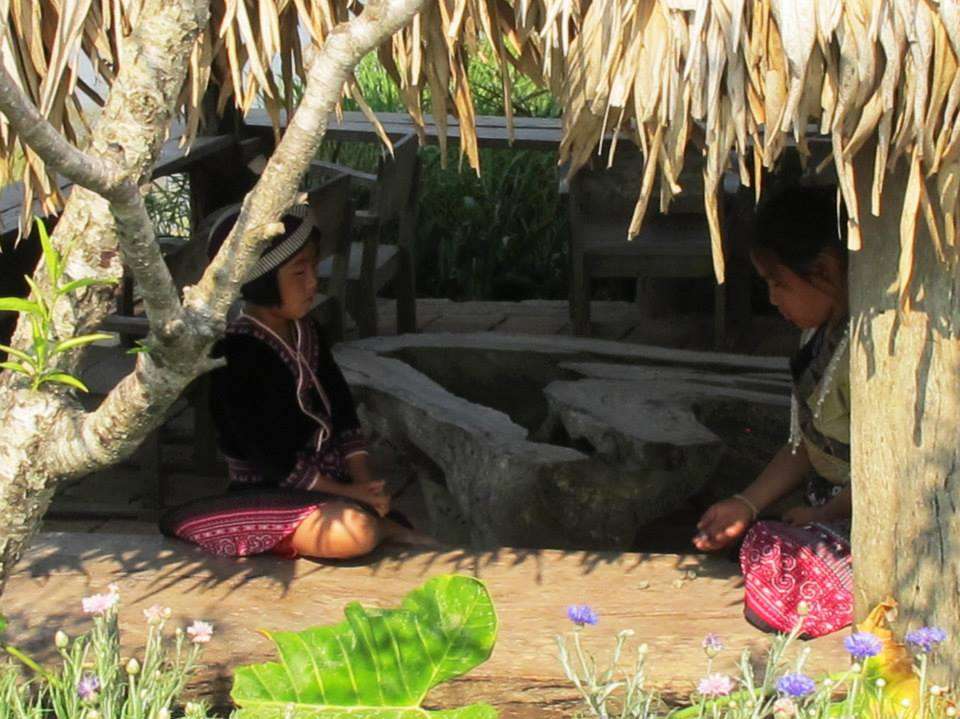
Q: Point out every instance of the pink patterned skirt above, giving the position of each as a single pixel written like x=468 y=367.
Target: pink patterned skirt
x=785 y=565
x=246 y=522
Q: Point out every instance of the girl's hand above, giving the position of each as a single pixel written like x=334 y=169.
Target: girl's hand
x=799 y=516
x=722 y=524
x=373 y=493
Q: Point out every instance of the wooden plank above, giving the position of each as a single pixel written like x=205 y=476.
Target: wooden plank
x=671 y=602
x=174 y=159
x=356 y=176
x=129 y=325
x=543 y=134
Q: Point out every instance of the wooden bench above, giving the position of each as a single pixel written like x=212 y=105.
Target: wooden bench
x=670 y=246
x=671 y=602
x=372 y=263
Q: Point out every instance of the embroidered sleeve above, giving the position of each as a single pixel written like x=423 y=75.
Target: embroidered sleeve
x=352 y=442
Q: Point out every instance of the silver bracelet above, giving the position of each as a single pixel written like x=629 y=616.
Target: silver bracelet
x=751 y=505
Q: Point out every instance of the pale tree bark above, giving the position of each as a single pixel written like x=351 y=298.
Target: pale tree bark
x=905 y=379
x=48 y=438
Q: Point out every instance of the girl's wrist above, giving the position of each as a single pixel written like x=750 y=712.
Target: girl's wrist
x=749 y=504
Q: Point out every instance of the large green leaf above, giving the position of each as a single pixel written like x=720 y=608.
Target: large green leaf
x=379 y=663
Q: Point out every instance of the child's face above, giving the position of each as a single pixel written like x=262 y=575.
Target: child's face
x=807 y=302
x=298 y=283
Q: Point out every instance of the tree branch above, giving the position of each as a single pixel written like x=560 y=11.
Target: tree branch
x=133 y=408
x=33 y=129
x=105 y=177
x=277 y=187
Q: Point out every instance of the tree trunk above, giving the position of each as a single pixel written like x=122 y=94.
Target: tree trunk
x=905 y=378
x=47 y=436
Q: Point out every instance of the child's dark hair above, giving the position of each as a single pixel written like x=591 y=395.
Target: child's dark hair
x=263 y=290
x=799 y=223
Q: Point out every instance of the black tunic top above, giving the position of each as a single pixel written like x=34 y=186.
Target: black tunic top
x=283 y=412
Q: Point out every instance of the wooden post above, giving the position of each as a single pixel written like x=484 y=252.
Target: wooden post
x=905 y=378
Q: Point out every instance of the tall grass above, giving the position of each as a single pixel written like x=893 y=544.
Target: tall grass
x=499 y=235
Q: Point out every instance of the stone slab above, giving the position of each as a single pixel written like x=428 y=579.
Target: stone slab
x=465 y=323
x=577 y=346
x=531 y=325
x=671 y=602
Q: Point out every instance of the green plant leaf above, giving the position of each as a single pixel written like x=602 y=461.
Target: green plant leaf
x=80 y=341
x=64 y=378
x=379 y=663
x=38 y=330
x=16 y=304
x=3 y=624
x=75 y=285
x=17 y=367
x=17 y=353
x=50 y=255
x=39 y=298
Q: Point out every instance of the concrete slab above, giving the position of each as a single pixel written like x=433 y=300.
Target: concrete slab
x=531 y=325
x=671 y=602
x=464 y=323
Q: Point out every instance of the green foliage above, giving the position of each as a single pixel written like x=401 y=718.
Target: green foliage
x=379 y=663
x=37 y=363
x=19 y=700
x=168 y=205
x=875 y=689
x=499 y=236
x=94 y=681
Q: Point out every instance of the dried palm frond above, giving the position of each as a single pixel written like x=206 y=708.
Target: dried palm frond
x=744 y=75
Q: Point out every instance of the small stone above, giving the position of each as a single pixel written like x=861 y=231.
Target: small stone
x=643 y=585
x=677 y=583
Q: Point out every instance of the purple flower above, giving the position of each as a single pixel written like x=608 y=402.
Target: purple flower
x=581 y=614
x=87 y=687
x=863 y=645
x=715 y=685
x=796 y=685
x=926 y=639
x=712 y=645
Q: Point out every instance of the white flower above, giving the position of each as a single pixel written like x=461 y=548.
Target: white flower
x=99 y=604
x=200 y=632
x=715 y=685
x=784 y=708
x=156 y=614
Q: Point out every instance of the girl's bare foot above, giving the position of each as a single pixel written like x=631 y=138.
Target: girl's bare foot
x=393 y=532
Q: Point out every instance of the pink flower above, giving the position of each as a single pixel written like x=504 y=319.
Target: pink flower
x=715 y=685
x=98 y=604
x=200 y=632
x=784 y=708
x=156 y=614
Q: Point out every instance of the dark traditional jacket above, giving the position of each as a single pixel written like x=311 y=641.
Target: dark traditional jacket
x=283 y=413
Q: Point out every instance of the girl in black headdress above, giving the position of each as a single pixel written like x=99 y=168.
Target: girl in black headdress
x=300 y=482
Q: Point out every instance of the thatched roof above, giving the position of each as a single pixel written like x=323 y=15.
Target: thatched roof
x=726 y=74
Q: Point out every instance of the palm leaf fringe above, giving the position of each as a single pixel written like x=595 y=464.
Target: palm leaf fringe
x=719 y=75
